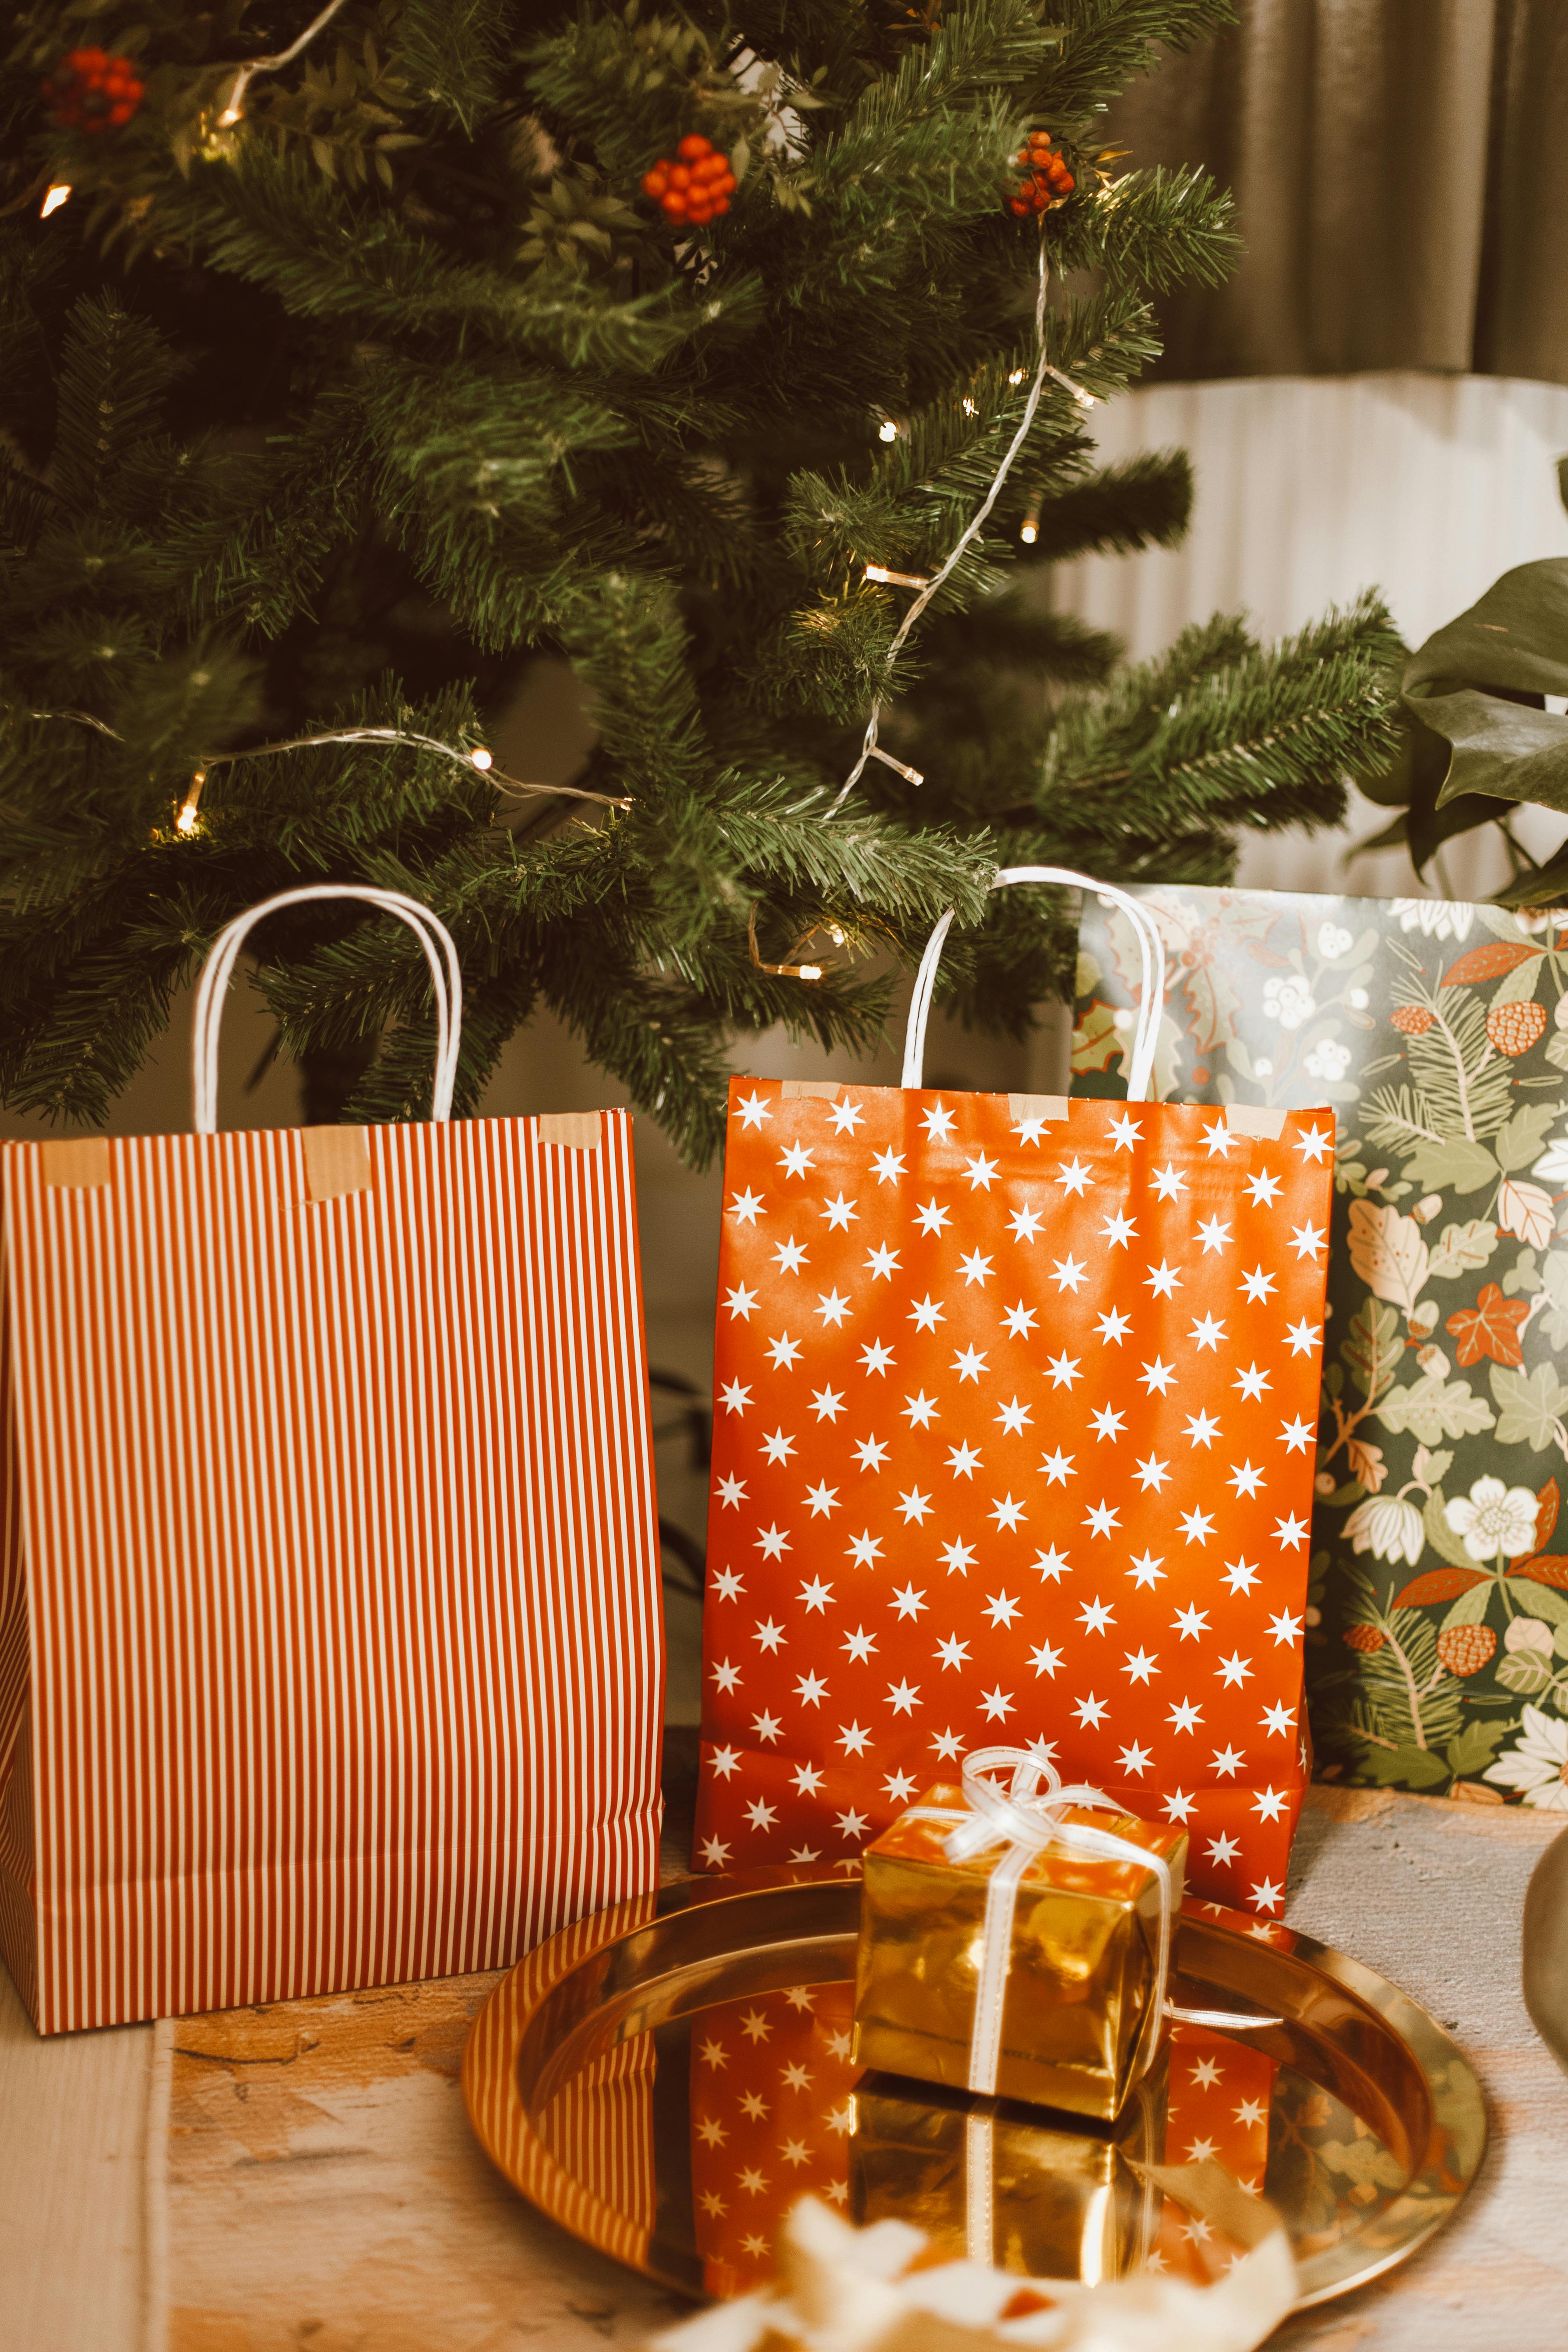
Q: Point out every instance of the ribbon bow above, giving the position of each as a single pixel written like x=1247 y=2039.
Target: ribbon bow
x=1027 y=1818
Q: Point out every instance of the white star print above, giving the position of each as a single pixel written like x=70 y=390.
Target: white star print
x=1135 y=1760
x=1095 y=1616
x=754 y=1109
x=1256 y=1285
x=1178 y=1805
x=1307 y=1240
x=953 y=1652
x=1285 y=1628
x=1045 y=1660
x=774 y=1544
x=1197 y=1525
x=933 y=1218
x=1091 y=1712
x=726 y=1676
x=920 y=1410
x=927 y=1314
x=969 y=1364
x=875 y=1357
x=1263 y=1189
x=1269 y=1804
x=1126 y=1130
x=1223 y=1849
x=1251 y=1382
x=1007 y=1513
x=1026 y=1224
x=964 y=1461
x=981 y=1171
x=1052 y=1565
x=727 y=1585
x=1146 y=1571
x=1214 y=1235
x=1190 y=1621
x=1057 y=1467
x=861 y=1644
x=1184 y=1715
x=795 y=1159
x=807 y=1780
x=1239 y=1577
x=1169 y=1183
x=1206 y=2073
x=816 y=1595
x=1296 y=1435
x=784 y=1352
x=1069 y=1273
x=1208 y=1331
x=915 y=1506
x=1219 y=1140
x=1028 y=1130
x=811 y=1690
x=1157 y=1377
x=1227 y=1762
x=901 y=1787
x=778 y=1447
x=731 y=1492
x=1001 y=1609
x=1267 y=1895
x=845 y=1116
x=1277 y=1719
x=761 y=1815
x=715 y=1853
x=882 y=1263
x=711 y=2133
x=1013 y=1417
x=903 y=1697
x=907 y=1602
x=975 y=1268
x=725 y=1762
x=789 y=1256
x=1102 y=1519
x=1164 y=1279
x=1302 y=1338
x=1139 y=1665
x=959 y=1557
x=1114 y=1324
x=1119 y=1229
x=1063 y=1370
x=740 y=1302
x=832 y=1307
x=769 y=1634
x=1246 y=1480
x=1235 y=1669
x=888 y=1166
x=1291 y=1531
x=853 y=1740
x=840 y=1213
x=948 y=1744
x=872 y=1452
x=1152 y=1473
x=853 y=1824
x=1074 y=1177
x=1314 y=1141
x=997 y=1706
x=745 y=1207
x=1019 y=1319
x=938 y=1123
x=863 y=1549
x=1203 y=1429
x=1108 y=1422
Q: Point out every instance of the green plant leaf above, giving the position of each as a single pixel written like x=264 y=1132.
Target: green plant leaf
x=1519 y=1141
x=1433 y=1409
x=1407 y=1767
x=1372 y=1348
x=1441 y=1536
x=1526 y=1673
x=1474 y=1748
x=1508 y=643
x=1471 y=1608
x=1528 y=1405
x=1542 y=1601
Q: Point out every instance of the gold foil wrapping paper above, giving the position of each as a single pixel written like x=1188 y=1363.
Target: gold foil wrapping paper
x=1081 y=1964
x=992 y=2182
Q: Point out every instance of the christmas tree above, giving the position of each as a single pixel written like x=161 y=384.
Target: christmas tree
x=348 y=366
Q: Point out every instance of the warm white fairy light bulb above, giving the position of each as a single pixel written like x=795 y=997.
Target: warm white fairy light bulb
x=888 y=430
x=1029 y=533
x=54 y=199
x=482 y=758
x=186 y=822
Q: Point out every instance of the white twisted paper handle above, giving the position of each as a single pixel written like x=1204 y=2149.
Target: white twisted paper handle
x=212 y=987
x=1027 y=1817
x=1151 y=949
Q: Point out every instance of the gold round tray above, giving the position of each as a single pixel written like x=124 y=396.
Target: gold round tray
x=665 y=2079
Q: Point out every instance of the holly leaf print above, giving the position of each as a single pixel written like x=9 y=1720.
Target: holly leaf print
x=1464 y=1249
x=1097 y=1038
x=1491 y=1327
x=1374 y=1349
x=1440 y=1586
x=1528 y=1404
x=1388 y=1253
x=1526 y=1210
x=1433 y=1409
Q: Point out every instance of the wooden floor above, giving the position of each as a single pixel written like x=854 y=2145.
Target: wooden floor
x=302 y=2179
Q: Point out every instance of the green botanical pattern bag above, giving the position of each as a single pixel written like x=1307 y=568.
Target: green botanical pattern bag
x=1437 y=1633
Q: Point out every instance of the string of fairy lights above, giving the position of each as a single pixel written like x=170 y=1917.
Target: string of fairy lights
x=926 y=586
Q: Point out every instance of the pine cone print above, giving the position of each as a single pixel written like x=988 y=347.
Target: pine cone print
x=1364 y=1638
x=1466 y=1649
x=1514 y=1028
x=1412 y=1019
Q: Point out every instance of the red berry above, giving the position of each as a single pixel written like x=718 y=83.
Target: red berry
x=674 y=204
x=693 y=146
x=655 y=183
x=721 y=204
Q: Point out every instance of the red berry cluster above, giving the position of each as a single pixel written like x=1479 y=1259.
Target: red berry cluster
x=89 y=90
x=1049 y=180
x=694 y=184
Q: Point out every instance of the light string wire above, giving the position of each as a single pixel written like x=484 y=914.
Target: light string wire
x=479 y=758
x=234 y=105
x=870 y=748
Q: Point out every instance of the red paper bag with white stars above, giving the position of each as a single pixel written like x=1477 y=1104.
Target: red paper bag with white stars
x=1217 y=2105
x=1014 y=1439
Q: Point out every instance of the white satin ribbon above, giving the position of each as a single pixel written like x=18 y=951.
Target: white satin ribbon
x=1027 y=1817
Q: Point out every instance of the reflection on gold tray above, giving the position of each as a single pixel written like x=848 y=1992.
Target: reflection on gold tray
x=665 y=2079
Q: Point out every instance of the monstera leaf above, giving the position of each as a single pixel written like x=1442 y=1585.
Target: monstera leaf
x=1475 y=733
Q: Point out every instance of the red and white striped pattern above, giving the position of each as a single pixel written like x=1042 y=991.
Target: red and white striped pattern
x=329 y=1627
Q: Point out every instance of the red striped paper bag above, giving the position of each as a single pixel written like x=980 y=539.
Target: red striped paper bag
x=330 y=1628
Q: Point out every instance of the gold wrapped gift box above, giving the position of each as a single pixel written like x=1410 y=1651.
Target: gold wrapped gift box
x=1083 y=1961
x=988 y=2180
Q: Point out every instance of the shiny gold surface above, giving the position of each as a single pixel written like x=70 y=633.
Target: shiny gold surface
x=1085 y=1934
x=603 y=2060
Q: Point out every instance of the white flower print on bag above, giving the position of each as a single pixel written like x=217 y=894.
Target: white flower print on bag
x=1494 y=1518
x=1537 y=1765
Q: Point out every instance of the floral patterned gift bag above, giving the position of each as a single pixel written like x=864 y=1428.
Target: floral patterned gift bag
x=1438 y=1633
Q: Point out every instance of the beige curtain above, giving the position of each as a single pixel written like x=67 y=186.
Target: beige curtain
x=1401 y=174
